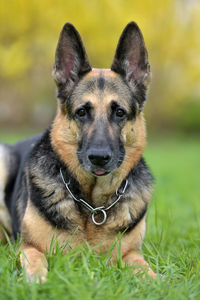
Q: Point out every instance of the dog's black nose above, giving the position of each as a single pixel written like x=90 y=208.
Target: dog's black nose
x=99 y=157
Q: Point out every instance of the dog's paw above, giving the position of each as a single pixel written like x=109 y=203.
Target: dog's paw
x=39 y=276
x=34 y=265
x=151 y=274
x=144 y=272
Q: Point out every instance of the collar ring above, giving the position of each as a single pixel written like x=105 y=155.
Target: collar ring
x=96 y=212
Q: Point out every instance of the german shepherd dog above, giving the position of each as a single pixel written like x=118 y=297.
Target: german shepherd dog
x=85 y=173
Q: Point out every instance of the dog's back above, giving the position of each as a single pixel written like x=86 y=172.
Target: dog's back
x=12 y=161
x=8 y=167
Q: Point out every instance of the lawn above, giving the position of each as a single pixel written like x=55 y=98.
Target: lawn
x=171 y=245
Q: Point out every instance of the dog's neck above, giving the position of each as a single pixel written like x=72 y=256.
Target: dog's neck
x=104 y=188
x=100 y=189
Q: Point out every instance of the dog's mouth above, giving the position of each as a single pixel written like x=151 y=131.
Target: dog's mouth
x=100 y=172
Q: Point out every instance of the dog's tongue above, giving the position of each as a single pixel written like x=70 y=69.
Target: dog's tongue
x=100 y=172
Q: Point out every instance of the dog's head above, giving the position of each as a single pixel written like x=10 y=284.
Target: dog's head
x=99 y=118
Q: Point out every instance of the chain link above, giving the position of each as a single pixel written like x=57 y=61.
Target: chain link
x=97 y=210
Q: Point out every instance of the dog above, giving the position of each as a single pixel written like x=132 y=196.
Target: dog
x=85 y=173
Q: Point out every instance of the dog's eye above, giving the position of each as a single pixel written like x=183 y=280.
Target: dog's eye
x=120 y=113
x=81 y=112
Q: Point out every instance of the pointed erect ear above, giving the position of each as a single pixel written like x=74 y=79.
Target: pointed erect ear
x=131 y=58
x=71 y=61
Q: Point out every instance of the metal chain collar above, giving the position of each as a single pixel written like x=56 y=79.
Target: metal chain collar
x=97 y=210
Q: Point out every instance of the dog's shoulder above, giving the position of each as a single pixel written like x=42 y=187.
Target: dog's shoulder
x=141 y=174
x=16 y=189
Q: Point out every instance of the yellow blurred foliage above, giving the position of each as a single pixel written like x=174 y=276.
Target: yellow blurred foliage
x=28 y=35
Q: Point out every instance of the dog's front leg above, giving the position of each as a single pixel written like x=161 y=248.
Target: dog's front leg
x=34 y=264
x=134 y=258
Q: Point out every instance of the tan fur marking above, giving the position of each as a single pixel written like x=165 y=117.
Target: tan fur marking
x=133 y=240
x=3 y=169
x=102 y=238
x=38 y=232
x=134 y=146
x=64 y=140
x=131 y=245
x=35 y=230
x=104 y=72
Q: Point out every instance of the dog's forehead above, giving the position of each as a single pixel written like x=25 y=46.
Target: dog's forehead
x=101 y=83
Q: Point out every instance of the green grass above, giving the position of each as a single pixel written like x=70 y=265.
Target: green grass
x=171 y=245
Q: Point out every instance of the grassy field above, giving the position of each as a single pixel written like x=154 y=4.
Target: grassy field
x=171 y=246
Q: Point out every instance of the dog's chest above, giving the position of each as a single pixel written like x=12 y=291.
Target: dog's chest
x=76 y=215
x=78 y=226
x=82 y=223
x=84 y=230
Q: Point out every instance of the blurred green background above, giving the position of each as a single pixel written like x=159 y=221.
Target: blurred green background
x=29 y=32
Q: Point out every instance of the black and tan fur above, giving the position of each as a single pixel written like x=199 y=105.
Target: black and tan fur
x=98 y=130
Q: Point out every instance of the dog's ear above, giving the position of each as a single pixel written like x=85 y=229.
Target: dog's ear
x=131 y=58
x=71 y=61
